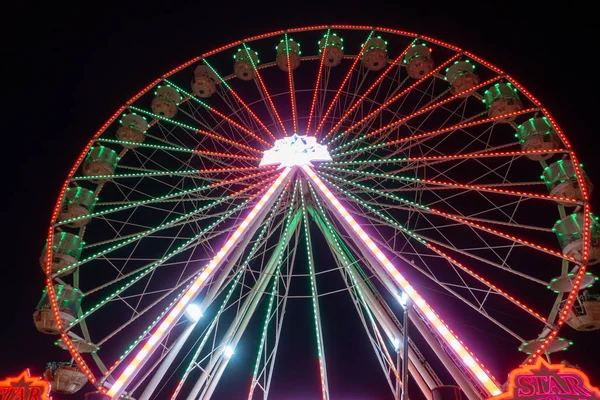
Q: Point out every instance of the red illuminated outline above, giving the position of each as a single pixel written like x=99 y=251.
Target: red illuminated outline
x=314 y=100
x=433 y=106
x=339 y=91
x=405 y=91
x=540 y=364
x=266 y=92
x=291 y=83
x=38 y=388
x=451 y=128
x=360 y=100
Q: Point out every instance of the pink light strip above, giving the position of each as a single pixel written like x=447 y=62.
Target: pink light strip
x=140 y=358
x=478 y=371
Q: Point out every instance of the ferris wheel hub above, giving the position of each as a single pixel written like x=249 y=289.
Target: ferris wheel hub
x=295 y=150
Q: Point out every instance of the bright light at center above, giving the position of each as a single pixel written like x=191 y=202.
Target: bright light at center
x=295 y=150
x=228 y=352
x=403 y=299
x=193 y=312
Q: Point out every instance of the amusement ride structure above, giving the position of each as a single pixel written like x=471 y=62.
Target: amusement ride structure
x=382 y=172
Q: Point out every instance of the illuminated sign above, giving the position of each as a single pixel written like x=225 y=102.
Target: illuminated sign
x=544 y=381
x=24 y=387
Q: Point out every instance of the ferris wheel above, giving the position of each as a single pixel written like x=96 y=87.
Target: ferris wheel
x=377 y=166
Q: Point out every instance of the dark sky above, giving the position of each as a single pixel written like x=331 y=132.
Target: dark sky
x=71 y=66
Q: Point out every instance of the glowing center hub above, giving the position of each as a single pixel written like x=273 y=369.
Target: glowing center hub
x=295 y=150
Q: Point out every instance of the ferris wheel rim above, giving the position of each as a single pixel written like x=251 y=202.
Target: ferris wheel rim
x=54 y=219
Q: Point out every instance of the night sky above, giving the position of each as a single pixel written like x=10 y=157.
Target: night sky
x=71 y=67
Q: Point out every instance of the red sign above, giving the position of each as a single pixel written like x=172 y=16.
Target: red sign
x=23 y=387
x=544 y=381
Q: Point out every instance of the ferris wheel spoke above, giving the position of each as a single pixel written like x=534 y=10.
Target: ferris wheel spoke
x=237 y=97
x=428 y=184
x=174 y=148
x=427 y=135
x=137 y=362
x=264 y=91
x=216 y=365
x=317 y=84
x=460 y=219
x=315 y=304
x=421 y=111
x=214 y=111
x=123 y=241
x=388 y=220
x=478 y=372
x=138 y=275
x=215 y=136
x=380 y=141
x=185 y=173
x=371 y=299
x=202 y=240
x=243 y=134
x=393 y=99
x=243 y=143
x=426 y=97
x=158 y=199
x=343 y=84
x=291 y=84
x=140 y=313
x=375 y=84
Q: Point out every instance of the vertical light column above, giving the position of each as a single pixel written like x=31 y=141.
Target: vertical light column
x=142 y=356
x=481 y=375
x=316 y=311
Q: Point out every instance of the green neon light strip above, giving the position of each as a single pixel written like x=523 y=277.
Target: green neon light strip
x=138 y=175
x=161 y=173
x=209 y=108
x=336 y=152
x=372 y=174
x=339 y=136
x=144 y=234
x=160 y=198
x=315 y=304
x=213 y=135
x=156 y=264
x=388 y=195
x=169 y=120
x=188 y=94
x=268 y=99
x=146 y=145
x=348 y=259
x=233 y=284
x=223 y=81
x=433 y=248
x=274 y=288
